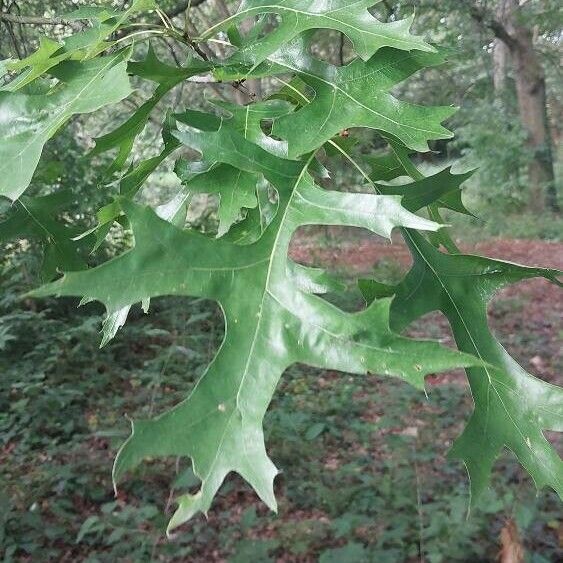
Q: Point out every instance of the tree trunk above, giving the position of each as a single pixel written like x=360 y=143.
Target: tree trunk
x=532 y=104
x=501 y=53
x=500 y=63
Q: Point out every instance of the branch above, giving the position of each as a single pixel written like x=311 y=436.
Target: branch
x=486 y=19
x=40 y=20
x=182 y=7
x=32 y=20
x=13 y=39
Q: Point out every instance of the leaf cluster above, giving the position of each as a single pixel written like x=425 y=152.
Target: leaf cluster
x=265 y=160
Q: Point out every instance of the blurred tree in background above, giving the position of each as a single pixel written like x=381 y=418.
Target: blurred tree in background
x=505 y=75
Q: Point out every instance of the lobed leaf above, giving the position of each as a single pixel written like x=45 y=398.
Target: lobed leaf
x=167 y=77
x=271 y=318
x=441 y=189
x=353 y=19
x=28 y=121
x=82 y=45
x=35 y=218
x=512 y=408
x=356 y=95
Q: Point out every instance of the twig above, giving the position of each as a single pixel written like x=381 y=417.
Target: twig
x=13 y=39
x=171 y=50
x=41 y=20
x=239 y=85
x=143 y=32
x=33 y=20
x=164 y=18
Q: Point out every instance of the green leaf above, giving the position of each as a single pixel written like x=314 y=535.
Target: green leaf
x=356 y=95
x=236 y=188
x=132 y=181
x=36 y=218
x=92 y=524
x=373 y=289
x=315 y=431
x=167 y=78
x=257 y=219
x=47 y=56
x=351 y=553
x=27 y=122
x=512 y=408
x=248 y=121
x=270 y=321
x=366 y=33
x=186 y=479
x=82 y=45
x=441 y=189
x=385 y=167
x=313 y=280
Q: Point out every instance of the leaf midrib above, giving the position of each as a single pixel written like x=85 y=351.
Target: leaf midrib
x=266 y=292
x=268 y=277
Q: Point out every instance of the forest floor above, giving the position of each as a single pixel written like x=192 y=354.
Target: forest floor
x=365 y=477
